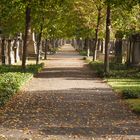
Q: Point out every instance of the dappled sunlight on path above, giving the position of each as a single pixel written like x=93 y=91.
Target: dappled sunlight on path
x=66 y=102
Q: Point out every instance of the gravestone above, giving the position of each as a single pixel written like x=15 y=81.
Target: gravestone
x=99 y=44
x=0 y=48
x=103 y=47
x=136 y=49
x=32 y=46
x=3 y=51
x=118 y=50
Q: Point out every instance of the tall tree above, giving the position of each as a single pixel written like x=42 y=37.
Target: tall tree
x=96 y=33
x=107 y=38
x=27 y=33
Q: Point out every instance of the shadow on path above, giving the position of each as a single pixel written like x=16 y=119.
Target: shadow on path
x=71 y=112
x=67 y=99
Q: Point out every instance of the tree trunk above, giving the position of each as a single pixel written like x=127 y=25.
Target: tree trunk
x=46 y=46
x=26 y=37
x=3 y=57
x=107 y=39
x=9 y=52
x=96 y=35
x=38 y=44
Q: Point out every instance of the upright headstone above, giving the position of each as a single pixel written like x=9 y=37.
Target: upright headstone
x=32 y=46
x=118 y=50
x=99 y=45
x=17 y=50
x=103 y=47
x=3 y=53
x=136 y=49
x=0 y=48
x=118 y=46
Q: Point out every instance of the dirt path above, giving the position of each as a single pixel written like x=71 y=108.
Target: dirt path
x=66 y=102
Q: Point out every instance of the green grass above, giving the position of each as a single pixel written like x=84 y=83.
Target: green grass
x=134 y=104
x=10 y=83
x=16 y=68
x=84 y=53
x=12 y=78
x=124 y=80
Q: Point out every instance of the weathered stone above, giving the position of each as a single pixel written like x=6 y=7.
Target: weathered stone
x=133 y=55
x=118 y=51
x=99 y=46
x=31 y=49
x=103 y=47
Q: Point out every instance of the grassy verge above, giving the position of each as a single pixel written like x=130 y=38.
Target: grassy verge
x=84 y=53
x=12 y=78
x=124 y=80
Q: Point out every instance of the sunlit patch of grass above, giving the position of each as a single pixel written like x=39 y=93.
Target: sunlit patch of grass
x=121 y=84
x=124 y=80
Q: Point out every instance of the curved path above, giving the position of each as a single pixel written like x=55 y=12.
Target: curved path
x=66 y=102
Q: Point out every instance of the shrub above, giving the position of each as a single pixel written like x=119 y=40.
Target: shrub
x=134 y=105
x=34 y=68
x=83 y=53
x=130 y=94
x=98 y=67
x=10 y=83
x=30 y=68
x=13 y=77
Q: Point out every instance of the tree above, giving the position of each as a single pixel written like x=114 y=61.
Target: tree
x=107 y=38
x=99 y=7
x=27 y=33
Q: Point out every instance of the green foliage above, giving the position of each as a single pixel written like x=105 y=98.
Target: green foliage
x=15 y=68
x=130 y=93
x=54 y=50
x=123 y=79
x=12 y=78
x=83 y=53
x=128 y=88
x=134 y=104
x=10 y=83
x=98 y=67
x=68 y=18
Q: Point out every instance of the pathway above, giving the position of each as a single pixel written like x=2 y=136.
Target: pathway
x=66 y=102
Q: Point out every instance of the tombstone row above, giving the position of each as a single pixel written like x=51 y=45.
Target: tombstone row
x=122 y=50
x=11 y=49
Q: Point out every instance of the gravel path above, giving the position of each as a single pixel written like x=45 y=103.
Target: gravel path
x=67 y=102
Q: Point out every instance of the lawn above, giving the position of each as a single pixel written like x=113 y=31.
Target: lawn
x=124 y=80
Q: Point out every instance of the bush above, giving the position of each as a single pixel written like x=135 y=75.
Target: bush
x=14 y=68
x=98 y=67
x=13 y=77
x=130 y=94
x=83 y=53
x=34 y=68
x=134 y=105
x=125 y=80
x=10 y=83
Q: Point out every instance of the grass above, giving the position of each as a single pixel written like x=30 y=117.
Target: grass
x=124 y=80
x=84 y=53
x=134 y=104
x=12 y=78
x=32 y=68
